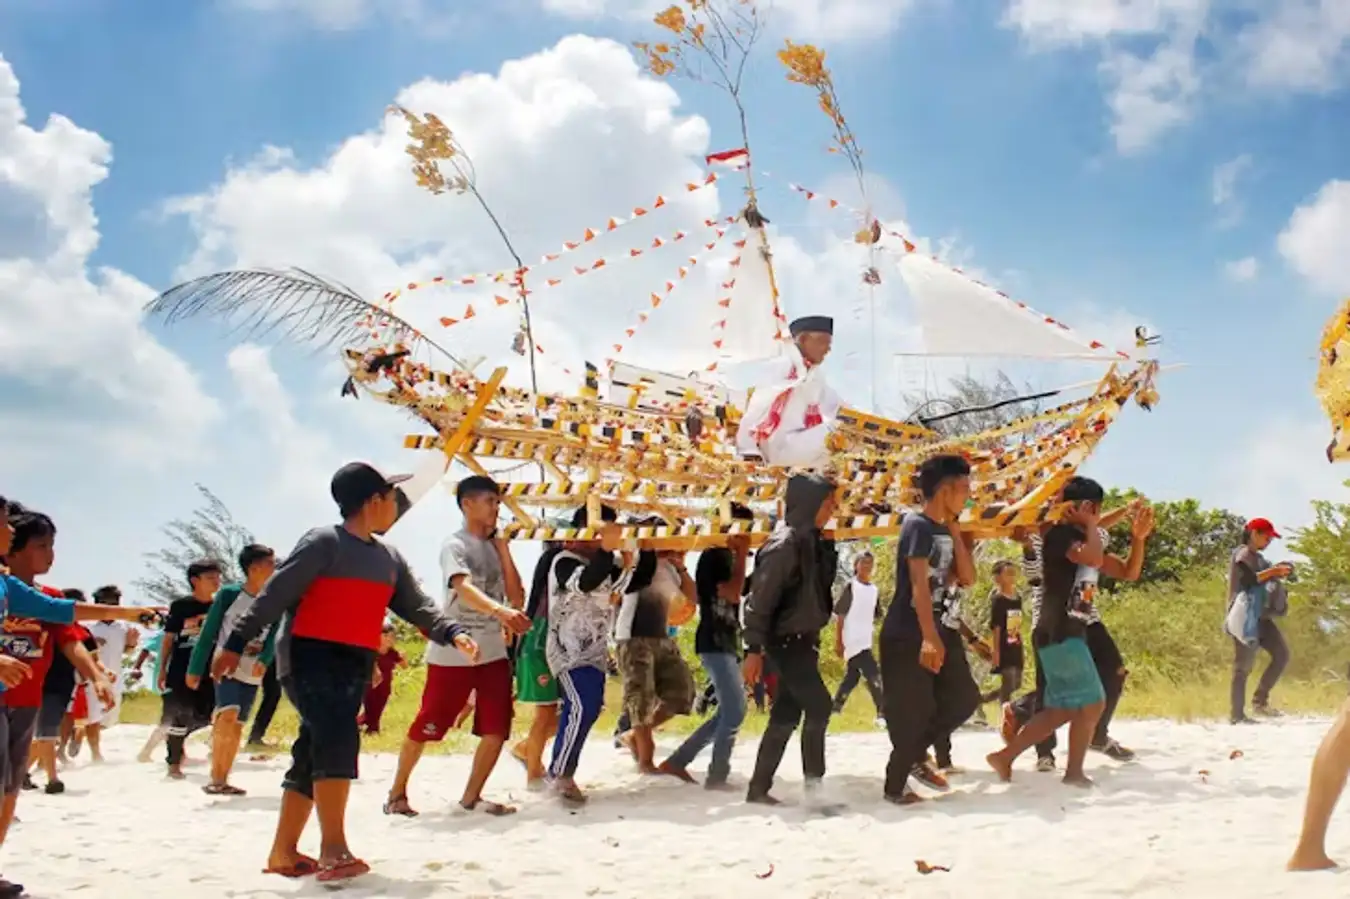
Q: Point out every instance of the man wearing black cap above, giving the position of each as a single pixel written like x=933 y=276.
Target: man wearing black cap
x=788 y=420
x=333 y=591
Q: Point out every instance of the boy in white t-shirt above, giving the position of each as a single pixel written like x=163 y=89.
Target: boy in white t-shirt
x=855 y=615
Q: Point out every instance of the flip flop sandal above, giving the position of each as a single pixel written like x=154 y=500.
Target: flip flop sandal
x=488 y=807
x=398 y=805
x=223 y=790
x=346 y=868
x=304 y=867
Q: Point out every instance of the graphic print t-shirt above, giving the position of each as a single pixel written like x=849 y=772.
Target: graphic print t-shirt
x=467 y=554
x=185 y=620
x=35 y=644
x=920 y=538
x=1005 y=614
x=1069 y=590
x=719 y=621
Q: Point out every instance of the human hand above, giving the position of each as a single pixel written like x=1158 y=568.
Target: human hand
x=1144 y=520
x=103 y=691
x=222 y=666
x=514 y=620
x=259 y=669
x=13 y=672
x=739 y=544
x=932 y=654
x=1284 y=569
x=465 y=644
x=376 y=678
x=194 y=681
x=752 y=669
x=162 y=684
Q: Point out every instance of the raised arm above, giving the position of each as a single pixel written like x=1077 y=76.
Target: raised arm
x=515 y=585
x=1131 y=568
x=286 y=587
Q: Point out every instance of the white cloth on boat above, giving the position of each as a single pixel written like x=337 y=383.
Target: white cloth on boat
x=789 y=418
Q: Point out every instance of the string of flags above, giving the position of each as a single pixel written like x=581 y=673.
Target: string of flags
x=510 y=276
x=877 y=230
x=658 y=297
x=724 y=304
x=516 y=282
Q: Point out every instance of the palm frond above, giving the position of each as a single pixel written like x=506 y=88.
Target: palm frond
x=293 y=305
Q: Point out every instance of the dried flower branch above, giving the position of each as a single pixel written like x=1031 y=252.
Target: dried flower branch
x=806 y=65
x=434 y=144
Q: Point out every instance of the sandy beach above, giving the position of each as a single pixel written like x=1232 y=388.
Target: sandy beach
x=1184 y=820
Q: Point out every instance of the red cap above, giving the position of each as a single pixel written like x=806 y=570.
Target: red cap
x=1262 y=526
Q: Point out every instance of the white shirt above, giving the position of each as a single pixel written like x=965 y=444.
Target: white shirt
x=807 y=392
x=112 y=643
x=860 y=618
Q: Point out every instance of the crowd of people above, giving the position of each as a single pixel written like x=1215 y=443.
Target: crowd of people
x=316 y=625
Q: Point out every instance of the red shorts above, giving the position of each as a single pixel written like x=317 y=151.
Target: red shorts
x=79 y=704
x=447 y=691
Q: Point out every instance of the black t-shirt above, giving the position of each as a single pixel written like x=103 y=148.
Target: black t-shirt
x=1005 y=613
x=920 y=538
x=184 y=622
x=60 y=680
x=719 y=621
x=1069 y=589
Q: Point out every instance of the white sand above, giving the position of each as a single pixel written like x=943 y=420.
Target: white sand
x=1153 y=828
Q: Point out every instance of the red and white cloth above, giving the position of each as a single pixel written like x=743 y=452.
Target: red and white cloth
x=788 y=419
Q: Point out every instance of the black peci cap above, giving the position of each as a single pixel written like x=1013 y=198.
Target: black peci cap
x=356 y=482
x=822 y=324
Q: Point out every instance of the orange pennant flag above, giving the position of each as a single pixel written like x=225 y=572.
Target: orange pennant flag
x=599 y=263
x=642 y=317
x=735 y=262
x=468 y=312
x=501 y=301
x=909 y=247
x=618 y=348
x=717 y=344
x=551 y=257
x=712 y=176
x=438 y=279
x=611 y=225
x=740 y=245
x=570 y=245
x=670 y=285
x=635 y=252
x=834 y=204
x=630 y=331
x=639 y=211
x=447 y=322
x=683 y=271
x=658 y=242
x=656 y=300
x=579 y=270
x=680 y=235
x=809 y=195
x=691 y=186
x=554 y=282
x=660 y=201
x=589 y=235
x=709 y=246
x=725 y=304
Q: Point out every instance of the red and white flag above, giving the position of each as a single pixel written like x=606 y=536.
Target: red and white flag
x=734 y=159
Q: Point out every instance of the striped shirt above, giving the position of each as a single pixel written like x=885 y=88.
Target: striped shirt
x=1031 y=573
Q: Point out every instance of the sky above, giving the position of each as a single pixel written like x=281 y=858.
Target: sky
x=1180 y=164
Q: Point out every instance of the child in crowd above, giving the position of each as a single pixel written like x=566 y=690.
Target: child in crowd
x=1005 y=621
x=382 y=682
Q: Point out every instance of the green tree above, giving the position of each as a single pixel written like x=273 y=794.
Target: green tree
x=209 y=532
x=1323 y=582
x=966 y=392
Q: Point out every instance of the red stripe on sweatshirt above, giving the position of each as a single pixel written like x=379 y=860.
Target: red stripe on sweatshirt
x=349 y=611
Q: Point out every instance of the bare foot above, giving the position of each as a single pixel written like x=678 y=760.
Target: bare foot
x=1310 y=860
x=670 y=770
x=1082 y=781
x=1001 y=764
x=176 y=773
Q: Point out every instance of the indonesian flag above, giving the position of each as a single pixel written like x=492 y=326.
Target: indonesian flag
x=734 y=159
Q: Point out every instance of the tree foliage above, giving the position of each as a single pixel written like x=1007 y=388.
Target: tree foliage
x=1186 y=537
x=209 y=532
x=967 y=392
x=1323 y=583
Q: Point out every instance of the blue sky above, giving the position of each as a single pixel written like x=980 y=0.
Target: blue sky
x=988 y=124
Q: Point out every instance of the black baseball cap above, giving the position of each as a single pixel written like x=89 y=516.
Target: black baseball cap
x=356 y=482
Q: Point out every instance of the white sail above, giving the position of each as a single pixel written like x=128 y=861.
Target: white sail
x=961 y=317
x=750 y=327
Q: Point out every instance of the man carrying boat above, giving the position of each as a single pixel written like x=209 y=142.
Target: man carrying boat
x=789 y=419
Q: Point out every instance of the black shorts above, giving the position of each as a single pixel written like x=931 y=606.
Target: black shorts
x=1105 y=654
x=17 y=726
x=50 y=715
x=326 y=683
x=185 y=710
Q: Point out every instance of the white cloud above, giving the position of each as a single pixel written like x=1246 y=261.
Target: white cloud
x=70 y=332
x=822 y=20
x=1316 y=241
x=1224 y=188
x=1242 y=269
x=1303 y=45
x=1156 y=75
x=1278 y=470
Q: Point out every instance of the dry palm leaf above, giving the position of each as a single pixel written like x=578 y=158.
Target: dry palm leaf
x=294 y=305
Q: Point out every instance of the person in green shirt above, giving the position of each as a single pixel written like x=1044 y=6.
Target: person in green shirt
x=235 y=693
